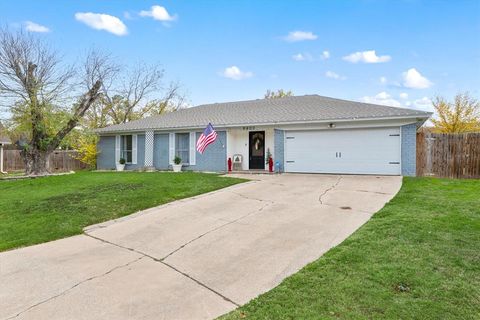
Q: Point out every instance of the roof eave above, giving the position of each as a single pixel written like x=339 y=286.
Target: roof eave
x=420 y=118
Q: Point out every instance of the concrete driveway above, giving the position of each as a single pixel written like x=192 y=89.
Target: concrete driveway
x=191 y=259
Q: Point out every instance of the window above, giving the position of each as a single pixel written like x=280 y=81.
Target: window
x=126 y=147
x=182 y=146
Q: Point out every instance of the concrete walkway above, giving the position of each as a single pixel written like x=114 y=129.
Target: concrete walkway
x=191 y=259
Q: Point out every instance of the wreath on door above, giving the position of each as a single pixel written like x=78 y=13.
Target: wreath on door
x=257 y=143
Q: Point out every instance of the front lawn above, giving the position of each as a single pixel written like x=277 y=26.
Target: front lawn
x=43 y=209
x=418 y=258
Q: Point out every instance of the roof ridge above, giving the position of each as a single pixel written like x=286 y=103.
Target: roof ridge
x=312 y=107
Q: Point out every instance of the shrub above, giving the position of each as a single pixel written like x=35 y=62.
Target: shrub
x=87 y=150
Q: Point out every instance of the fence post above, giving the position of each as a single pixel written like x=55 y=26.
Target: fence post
x=1 y=158
x=429 y=140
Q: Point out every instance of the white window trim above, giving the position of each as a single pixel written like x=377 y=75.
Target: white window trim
x=193 y=148
x=189 y=163
x=171 y=147
x=118 y=148
x=134 y=149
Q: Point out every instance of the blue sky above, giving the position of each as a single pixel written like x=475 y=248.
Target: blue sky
x=236 y=50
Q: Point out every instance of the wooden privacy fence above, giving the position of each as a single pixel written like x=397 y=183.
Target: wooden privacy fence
x=60 y=160
x=448 y=155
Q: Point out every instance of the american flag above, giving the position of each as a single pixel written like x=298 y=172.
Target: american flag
x=208 y=136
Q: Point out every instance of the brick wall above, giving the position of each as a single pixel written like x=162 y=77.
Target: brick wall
x=215 y=156
x=160 y=151
x=409 y=149
x=278 y=155
x=106 y=156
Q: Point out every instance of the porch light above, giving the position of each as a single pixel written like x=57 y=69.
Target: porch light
x=331 y=125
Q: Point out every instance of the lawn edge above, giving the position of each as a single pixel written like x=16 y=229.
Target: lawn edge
x=150 y=210
x=134 y=214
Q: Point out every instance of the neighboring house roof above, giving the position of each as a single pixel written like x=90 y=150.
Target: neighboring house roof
x=294 y=109
x=4 y=139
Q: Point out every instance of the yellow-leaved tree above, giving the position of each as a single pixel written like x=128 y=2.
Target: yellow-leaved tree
x=87 y=150
x=461 y=115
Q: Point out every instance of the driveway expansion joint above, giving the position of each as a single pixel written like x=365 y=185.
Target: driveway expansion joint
x=201 y=284
x=213 y=230
x=76 y=285
x=162 y=260
x=251 y=198
x=167 y=265
x=134 y=215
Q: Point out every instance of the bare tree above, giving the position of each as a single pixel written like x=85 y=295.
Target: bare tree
x=173 y=99
x=33 y=74
x=136 y=93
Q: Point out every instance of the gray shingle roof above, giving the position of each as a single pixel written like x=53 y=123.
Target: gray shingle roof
x=309 y=108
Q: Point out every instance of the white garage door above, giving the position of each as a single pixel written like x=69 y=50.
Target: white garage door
x=353 y=151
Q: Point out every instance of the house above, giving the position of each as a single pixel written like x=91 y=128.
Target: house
x=311 y=134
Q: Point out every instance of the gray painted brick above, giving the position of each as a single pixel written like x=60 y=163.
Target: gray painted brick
x=160 y=151
x=106 y=155
x=215 y=156
x=409 y=149
x=213 y=159
x=279 y=152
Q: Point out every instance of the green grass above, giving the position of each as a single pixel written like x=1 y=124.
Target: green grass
x=43 y=209
x=418 y=258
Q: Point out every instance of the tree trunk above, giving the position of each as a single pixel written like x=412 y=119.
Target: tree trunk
x=36 y=161
x=37 y=158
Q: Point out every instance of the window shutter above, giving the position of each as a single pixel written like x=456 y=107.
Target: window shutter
x=171 y=147
x=193 y=149
x=117 y=149
x=134 y=149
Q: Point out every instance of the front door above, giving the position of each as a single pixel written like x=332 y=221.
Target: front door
x=256 y=150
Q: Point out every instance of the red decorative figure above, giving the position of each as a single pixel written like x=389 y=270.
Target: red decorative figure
x=229 y=164
x=270 y=164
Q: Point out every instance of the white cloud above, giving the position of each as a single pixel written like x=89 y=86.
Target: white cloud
x=333 y=75
x=382 y=98
x=423 y=104
x=298 y=57
x=383 y=80
x=35 y=27
x=366 y=57
x=295 y=36
x=403 y=95
x=158 y=13
x=302 y=57
x=100 y=21
x=325 y=55
x=235 y=73
x=413 y=79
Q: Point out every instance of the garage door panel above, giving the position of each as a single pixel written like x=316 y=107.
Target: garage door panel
x=362 y=151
